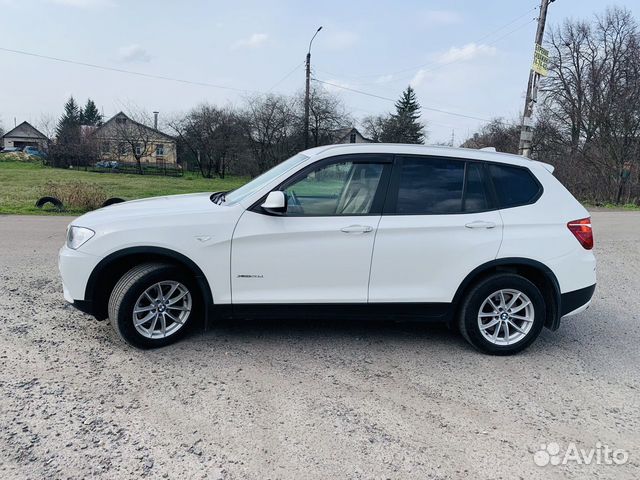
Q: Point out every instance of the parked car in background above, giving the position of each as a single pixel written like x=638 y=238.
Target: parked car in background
x=34 y=151
x=490 y=243
x=10 y=150
x=107 y=164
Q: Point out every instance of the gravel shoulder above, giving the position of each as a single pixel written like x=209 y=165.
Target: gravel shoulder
x=309 y=399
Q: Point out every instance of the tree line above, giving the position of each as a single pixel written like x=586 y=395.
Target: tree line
x=267 y=129
x=588 y=110
x=240 y=140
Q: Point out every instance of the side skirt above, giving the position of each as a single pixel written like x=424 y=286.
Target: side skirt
x=436 y=312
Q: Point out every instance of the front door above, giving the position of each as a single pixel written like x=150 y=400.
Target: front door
x=319 y=250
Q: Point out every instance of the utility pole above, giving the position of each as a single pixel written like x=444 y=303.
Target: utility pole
x=526 y=131
x=307 y=93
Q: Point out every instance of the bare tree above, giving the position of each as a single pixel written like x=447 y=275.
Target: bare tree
x=135 y=136
x=374 y=126
x=212 y=135
x=46 y=123
x=327 y=115
x=498 y=133
x=592 y=96
x=269 y=124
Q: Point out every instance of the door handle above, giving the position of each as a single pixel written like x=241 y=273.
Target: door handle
x=480 y=224
x=357 y=229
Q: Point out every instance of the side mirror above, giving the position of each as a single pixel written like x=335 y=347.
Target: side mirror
x=275 y=203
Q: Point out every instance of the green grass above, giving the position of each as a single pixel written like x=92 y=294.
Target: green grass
x=23 y=183
x=627 y=206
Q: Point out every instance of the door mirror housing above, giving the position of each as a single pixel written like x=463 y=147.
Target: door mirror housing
x=275 y=203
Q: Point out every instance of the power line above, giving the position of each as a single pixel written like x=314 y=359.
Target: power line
x=286 y=76
x=441 y=65
x=129 y=72
x=511 y=22
x=432 y=109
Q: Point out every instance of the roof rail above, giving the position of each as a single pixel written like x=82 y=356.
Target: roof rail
x=488 y=149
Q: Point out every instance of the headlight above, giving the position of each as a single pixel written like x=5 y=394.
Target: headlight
x=78 y=236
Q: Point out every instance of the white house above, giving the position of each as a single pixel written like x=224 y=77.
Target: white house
x=25 y=135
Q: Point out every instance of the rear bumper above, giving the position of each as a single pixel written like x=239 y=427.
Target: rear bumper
x=576 y=301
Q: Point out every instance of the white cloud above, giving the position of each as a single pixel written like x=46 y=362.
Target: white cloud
x=254 y=41
x=384 y=78
x=83 y=3
x=133 y=54
x=419 y=78
x=467 y=52
x=442 y=17
x=341 y=40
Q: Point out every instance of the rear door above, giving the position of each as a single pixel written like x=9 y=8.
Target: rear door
x=439 y=223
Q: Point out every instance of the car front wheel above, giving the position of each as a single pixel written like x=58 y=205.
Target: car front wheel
x=502 y=314
x=152 y=305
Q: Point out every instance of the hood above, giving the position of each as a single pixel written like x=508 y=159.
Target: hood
x=149 y=207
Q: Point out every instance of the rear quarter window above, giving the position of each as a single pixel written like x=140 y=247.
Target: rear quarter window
x=514 y=186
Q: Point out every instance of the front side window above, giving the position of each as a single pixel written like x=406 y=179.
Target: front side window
x=257 y=183
x=343 y=188
x=430 y=186
x=514 y=186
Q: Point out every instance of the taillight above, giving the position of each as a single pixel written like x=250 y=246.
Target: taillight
x=582 y=230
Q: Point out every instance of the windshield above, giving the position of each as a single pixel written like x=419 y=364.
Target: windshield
x=257 y=183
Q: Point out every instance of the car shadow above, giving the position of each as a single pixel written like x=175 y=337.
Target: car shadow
x=327 y=331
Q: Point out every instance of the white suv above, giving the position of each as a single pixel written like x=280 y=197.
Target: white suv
x=491 y=243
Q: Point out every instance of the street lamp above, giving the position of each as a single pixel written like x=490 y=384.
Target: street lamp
x=306 y=96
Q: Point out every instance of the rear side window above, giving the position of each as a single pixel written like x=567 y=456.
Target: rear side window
x=441 y=186
x=514 y=186
x=476 y=197
x=430 y=186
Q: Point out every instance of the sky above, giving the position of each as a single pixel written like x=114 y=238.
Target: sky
x=464 y=58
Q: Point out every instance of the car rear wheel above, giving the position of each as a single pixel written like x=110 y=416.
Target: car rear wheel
x=502 y=314
x=153 y=305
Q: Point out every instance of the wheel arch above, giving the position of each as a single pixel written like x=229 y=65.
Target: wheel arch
x=536 y=272
x=111 y=268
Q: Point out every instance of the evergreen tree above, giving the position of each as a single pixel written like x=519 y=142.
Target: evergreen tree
x=68 y=128
x=404 y=125
x=90 y=115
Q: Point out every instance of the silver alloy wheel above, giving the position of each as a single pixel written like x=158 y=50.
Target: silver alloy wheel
x=506 y=317
x=162 y=309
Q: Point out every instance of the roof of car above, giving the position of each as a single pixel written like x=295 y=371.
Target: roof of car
x=431 y=150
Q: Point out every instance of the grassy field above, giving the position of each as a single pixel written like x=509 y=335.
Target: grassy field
x=22 y=183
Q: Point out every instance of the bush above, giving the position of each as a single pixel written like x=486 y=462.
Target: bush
x=76 y=195
x=19 y=157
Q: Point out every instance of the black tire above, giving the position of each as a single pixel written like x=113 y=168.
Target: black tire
x=43 y=201
x=475 y=297
x=112 y=201
x=131 y=286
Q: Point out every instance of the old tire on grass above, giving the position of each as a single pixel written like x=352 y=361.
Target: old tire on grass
x=57 y=204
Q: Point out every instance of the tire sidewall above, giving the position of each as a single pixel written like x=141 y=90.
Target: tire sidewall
x=479 y=293
x=124 y=320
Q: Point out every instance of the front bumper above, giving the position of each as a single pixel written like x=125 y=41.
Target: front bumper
x=75 y=268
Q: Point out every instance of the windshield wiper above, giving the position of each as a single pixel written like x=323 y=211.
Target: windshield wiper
x=218 y=197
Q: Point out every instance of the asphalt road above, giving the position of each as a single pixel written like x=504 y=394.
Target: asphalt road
x=310 y=400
